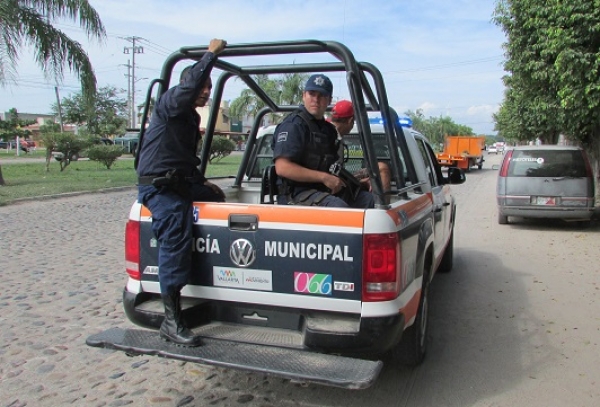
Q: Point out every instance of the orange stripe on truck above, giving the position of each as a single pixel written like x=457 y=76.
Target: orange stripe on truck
x=411 y=208
x=412 y=307
x=273 y=213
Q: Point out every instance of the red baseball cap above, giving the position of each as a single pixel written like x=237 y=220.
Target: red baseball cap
x=343 y=109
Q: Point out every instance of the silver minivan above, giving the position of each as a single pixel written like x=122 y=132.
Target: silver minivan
x=545 y=182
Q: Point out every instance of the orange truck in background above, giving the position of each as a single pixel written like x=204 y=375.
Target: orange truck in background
x=462 y=152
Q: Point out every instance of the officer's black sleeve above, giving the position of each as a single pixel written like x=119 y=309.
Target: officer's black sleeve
x=181 y=98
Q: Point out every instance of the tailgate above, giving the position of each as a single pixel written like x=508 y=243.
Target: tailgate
x=302 y=251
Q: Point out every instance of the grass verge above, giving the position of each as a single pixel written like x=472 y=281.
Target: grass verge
x=30 y=180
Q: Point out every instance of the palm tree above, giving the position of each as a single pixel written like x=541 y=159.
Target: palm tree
x=291 y=88
x=25 y=22
x=287 y=90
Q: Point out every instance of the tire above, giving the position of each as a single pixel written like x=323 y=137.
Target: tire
x=502 y=219
x=448 y=258
x=413 y=345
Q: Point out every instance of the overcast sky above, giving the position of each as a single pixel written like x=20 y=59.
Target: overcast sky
x=444 y=57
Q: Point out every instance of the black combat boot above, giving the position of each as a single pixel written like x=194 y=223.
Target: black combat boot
x=173 y=329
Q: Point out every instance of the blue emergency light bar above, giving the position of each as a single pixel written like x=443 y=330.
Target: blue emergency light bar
x=403 y=121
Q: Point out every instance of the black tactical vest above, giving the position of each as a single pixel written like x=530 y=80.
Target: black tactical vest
x=320 y=153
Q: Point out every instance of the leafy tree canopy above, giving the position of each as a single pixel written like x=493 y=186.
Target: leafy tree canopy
x=12 y=127
x=435 y=128
x=285 y=90
x=106 y=117
x=31 y=22
x=553 y=80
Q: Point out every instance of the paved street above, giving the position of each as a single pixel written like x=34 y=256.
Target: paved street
x=514 y=324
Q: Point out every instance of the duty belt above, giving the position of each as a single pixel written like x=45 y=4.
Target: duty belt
x=162 y=180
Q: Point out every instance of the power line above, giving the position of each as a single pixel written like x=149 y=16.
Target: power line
x=449 y=65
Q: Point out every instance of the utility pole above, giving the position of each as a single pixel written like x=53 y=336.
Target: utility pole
x=134 y=49
x=60 y=120
x=129 y=104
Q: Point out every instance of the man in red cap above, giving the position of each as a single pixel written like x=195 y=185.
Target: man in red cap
x=342 y=117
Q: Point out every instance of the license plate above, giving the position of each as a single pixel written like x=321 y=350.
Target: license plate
x=544 y=200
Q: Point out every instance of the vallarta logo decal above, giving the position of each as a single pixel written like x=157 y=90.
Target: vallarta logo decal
x=245 y=279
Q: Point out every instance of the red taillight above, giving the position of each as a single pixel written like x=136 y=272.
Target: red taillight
x=506 y=163
x=132 y=249
x=381 y=267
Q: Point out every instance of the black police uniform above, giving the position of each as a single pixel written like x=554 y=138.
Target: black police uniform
x=311 y=143
x=169 y=147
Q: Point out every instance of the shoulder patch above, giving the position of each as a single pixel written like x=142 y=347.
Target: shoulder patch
x=282 y=136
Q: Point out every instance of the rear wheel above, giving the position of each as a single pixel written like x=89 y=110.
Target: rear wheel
x=502 y=219
x=413 y=345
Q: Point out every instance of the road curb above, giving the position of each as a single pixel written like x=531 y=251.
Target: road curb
x=70 y=194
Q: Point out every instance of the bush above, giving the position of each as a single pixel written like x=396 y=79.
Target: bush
x=68 y=145
x=220 y=148
x=105 y=154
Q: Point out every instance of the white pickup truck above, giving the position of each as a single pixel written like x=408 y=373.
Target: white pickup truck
x=314 y=294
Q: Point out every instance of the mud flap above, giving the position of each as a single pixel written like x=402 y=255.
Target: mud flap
x=294 y=364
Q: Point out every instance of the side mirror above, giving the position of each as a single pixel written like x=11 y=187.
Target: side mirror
x=456 y=176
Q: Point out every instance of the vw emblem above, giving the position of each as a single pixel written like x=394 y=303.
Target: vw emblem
x=242 y=253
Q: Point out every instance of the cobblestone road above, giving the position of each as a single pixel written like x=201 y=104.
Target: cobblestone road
x=62 y=272
x=515 y=323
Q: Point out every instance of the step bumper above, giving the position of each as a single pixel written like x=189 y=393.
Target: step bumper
x=293 y=364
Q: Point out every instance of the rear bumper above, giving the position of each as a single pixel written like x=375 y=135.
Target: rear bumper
x=548 y=213
x=299 y=365
x=323 y=332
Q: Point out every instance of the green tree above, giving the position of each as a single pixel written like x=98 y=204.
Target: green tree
x=47 y=128
x=291 y=87
x=286 y=90
x=435 y=128
x=220 y=148
x=67 y=145
x=12 y=127
x=31 y=22
x=107 y=116
x=106 y=155
x=553 y=80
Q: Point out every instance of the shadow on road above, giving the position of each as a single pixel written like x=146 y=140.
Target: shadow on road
x=480 y=325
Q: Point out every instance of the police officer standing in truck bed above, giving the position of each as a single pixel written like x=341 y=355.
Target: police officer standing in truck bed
x=169 y=181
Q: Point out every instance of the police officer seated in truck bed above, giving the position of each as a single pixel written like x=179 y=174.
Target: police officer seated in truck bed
x=305 y=152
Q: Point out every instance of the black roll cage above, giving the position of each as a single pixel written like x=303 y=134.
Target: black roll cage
x=358 y=85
